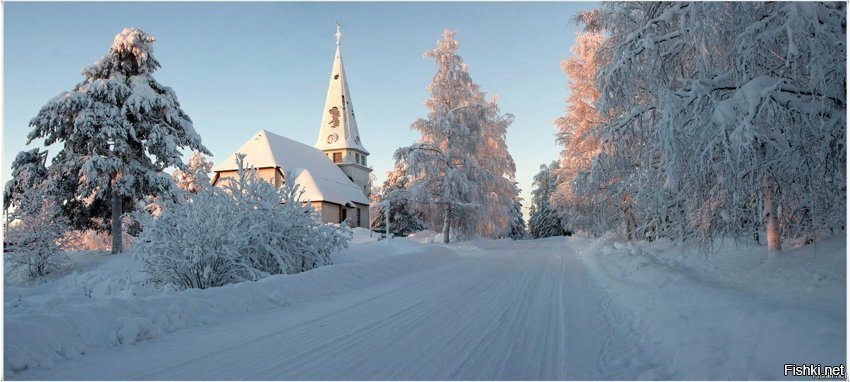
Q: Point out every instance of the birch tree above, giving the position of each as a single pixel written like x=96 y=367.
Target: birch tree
x=453 y=171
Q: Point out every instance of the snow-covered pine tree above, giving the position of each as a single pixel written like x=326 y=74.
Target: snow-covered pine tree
x=28 y=171
x=33 y=236
x=119 y=129
x=196 y=176
x=450 y=172
x=393 y=195
x=517 y=227
x=544 y=220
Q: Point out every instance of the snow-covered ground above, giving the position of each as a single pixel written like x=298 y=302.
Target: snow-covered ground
x=407 y=308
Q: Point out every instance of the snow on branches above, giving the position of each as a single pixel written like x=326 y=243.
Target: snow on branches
x=720 y=118
x=196 y=175
x=244 y=231
x=463 y=174
x=119 y=129
x=34 y=232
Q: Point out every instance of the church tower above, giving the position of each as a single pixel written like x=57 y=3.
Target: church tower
x=339 y=138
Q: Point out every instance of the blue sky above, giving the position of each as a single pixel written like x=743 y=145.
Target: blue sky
x=241 y=67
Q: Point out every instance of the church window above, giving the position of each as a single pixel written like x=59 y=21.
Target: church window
x=337 y=157
x=336 y=76
x=363 y=159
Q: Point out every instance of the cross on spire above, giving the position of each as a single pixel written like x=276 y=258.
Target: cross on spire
x=338 y=33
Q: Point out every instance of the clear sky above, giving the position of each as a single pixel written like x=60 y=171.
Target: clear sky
x=241 y=67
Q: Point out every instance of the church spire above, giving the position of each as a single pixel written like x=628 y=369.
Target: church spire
x=339 y=128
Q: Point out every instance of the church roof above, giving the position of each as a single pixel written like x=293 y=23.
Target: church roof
x=322 y=180
x=339 y=127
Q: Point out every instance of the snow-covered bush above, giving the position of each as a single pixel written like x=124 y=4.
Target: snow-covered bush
x=195 y=244
x=284 y=233
x=244 y=231
x=33 y=234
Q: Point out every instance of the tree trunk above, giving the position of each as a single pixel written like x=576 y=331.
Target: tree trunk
x=116 y=223
x=630 y=224
x=771 y=221
x=387 y=220
x=447 y=223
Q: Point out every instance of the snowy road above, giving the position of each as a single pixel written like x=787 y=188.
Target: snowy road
x=529 y=313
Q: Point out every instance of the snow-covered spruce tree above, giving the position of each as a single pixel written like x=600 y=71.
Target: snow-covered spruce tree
x=517 y=227
x=33 y=236
x=119 y=129
x=196 y=176
x=28 y=171
x=544 y=220
x=731 y=127
x=450 y=173
x=392 y=201
x=266 y=231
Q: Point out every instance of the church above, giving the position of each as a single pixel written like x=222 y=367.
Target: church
x=333 y=172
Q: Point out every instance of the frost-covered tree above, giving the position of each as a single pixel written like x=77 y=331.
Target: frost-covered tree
x=266 y=231
x=517 y=227
x=737 y=109
x=28 y=171
x=498 y=192
x=544 y=219
x=196 y=176
x=456 y=183
x=34 y=235
x=392 y=200
x=587 y=206
x=118 y=130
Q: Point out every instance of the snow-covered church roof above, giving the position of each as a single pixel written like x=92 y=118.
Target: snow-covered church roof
x=322 y=180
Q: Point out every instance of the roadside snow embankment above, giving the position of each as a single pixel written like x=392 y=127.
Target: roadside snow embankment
x=732 y=311
x=40 y=331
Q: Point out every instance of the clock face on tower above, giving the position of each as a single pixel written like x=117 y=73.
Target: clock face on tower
x=332 y=138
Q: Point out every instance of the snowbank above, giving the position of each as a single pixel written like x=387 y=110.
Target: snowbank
x=730 y=311
x=43 y=327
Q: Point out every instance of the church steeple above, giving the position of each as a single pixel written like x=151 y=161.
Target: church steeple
x=339 y=127
x=339 y=137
